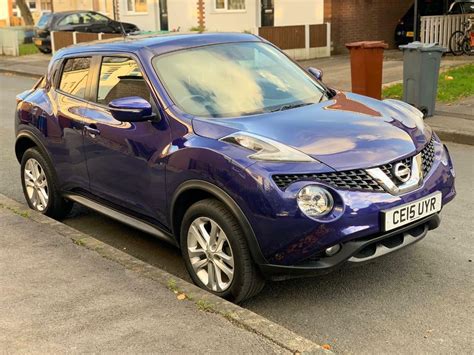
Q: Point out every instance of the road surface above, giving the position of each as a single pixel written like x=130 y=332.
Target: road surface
x=419 y=300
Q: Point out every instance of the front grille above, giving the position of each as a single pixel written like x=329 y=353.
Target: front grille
x=388 y=169
x=358 y=179
x=427 y=157
x=350 y=180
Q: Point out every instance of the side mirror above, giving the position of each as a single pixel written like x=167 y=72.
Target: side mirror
x=131 y=109
x=317 y=73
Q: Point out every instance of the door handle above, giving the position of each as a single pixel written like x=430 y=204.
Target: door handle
x=92 y=130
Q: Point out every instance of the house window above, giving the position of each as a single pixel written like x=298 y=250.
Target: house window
x=230 y=5
x=137 y=6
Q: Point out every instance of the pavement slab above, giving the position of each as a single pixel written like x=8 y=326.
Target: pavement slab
x=56 y=296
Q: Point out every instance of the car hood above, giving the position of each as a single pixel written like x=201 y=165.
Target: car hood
x=349 y=131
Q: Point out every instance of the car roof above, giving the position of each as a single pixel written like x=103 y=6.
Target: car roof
x=157 y=44
x=68 y=12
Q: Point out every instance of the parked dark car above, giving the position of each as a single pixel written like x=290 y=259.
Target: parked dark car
x=80 y=21
x=404 y=31
x=223 y=146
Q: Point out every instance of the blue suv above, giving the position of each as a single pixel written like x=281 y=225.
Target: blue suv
x=225 y=147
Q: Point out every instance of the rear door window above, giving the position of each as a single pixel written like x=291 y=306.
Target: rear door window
x=74 y=76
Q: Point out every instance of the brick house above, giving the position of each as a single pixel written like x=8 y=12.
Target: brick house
x=356 y=20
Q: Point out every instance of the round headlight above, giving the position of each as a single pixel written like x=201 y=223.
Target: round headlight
x=315 y=201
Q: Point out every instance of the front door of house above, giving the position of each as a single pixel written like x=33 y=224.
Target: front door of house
x=164 y=15
x=268 y=9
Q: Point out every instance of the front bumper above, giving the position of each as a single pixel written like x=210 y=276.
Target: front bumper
x=355 y=252
x=291 y=243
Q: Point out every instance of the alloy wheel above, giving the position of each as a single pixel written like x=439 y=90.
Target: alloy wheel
x=210 y=254
x=36 y=184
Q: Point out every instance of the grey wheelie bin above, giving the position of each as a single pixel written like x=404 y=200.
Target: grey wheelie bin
x=420 y=75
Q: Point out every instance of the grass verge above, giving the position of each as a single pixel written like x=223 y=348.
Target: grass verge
x=453 y=85
x=28 y=48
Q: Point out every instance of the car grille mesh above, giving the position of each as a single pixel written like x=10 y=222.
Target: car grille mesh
x=357 y=179
x=427 y=157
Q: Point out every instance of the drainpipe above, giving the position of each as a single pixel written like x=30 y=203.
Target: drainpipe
x=415 y=25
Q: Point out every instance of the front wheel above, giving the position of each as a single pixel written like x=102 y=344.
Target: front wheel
x=456 y=43
x=216 y=253
x=40 y=186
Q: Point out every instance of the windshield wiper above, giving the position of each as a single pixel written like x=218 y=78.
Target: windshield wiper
x=290 y=106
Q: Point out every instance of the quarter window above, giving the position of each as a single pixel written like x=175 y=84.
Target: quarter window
x=230 y=5
x=121 y=77
x=74 y=76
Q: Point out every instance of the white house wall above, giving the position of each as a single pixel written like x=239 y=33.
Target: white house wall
x=146 y=21
x=299 y=12
x=4 y=11
x=233 y=21
x=182 y=14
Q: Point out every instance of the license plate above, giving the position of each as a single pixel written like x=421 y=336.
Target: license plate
x=38 y=42
x=410 y=34
x=410 y=212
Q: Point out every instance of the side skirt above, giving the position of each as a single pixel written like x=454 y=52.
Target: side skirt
x=122 y=217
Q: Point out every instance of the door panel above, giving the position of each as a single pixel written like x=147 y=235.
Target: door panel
x=124 y=160
x=65 y=137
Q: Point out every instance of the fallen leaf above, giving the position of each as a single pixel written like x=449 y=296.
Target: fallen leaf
x=181 y=296
x=326 y=347
x=448 y=77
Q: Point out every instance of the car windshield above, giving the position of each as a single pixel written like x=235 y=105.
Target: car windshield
x=43 y=21
x=235 y=79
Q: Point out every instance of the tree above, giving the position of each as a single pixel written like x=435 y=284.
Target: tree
x=25 y=12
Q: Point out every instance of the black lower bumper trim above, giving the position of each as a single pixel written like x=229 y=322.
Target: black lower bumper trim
x=355 y=251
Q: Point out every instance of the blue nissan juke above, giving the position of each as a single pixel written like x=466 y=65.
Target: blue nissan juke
x=225 y=147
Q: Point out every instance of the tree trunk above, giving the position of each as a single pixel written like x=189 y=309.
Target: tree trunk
x=25 y=12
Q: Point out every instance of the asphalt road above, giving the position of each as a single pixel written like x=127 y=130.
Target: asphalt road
x=419 y=300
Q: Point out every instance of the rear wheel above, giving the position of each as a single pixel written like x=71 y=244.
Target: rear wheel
x=216 y=253
x=40 y=186
x=456 y=43
x=466 y=47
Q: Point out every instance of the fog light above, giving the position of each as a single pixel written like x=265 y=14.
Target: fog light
x=315 y=201
x=333 y=250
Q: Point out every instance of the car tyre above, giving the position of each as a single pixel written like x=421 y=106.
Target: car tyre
x=225 y=235
x=456 y=43
x=40 y=185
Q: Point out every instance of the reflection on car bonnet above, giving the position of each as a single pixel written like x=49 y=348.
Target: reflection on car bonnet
x=342 y=103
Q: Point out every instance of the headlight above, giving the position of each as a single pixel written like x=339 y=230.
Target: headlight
x=315 y=201
x=266 y=148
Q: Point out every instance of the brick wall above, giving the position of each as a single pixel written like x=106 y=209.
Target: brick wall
x=357 y=20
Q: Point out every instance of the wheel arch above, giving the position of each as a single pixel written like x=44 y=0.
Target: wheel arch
x=193 y=191
x=24 y=141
